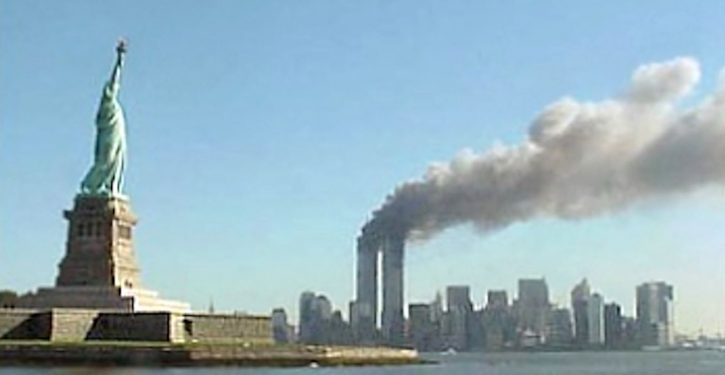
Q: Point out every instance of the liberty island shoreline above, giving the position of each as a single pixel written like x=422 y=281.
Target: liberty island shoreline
x=197 y=355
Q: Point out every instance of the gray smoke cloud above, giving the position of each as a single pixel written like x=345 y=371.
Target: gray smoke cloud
x=579 y=159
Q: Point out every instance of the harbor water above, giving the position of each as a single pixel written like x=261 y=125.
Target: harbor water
x=581 y=363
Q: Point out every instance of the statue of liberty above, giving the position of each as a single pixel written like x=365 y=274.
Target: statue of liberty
x=106 y=174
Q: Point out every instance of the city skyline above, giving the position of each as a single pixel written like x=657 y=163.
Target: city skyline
x=528 y=322
x=318 y=124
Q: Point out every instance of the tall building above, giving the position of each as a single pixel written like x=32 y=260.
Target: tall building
x=579 y=305
x=369 y=247
x=497 y=299
x=281 y=330
x=613 y=326
x=629 y=332
x=306 y=316
x=436 y=308
x=437 y=316
x=335 y=331
x=393 y=321
x=314 y=319
x=460 y=310
x=352 y=313
x=458 y=297
x=655 y=314
x=421 y=331
x=364 y=314
x=595 y=317
x=581 y=290
x=498 y=325
x=533 y=305
x=559 y=328
x=321 y=308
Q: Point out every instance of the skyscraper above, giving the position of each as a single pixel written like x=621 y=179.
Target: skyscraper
x=321 y=308
x=595 y=317
x=370 y=245
x=533 y=305
x=559 y=329
x=420 y=327
x=437 y=315
x=314 y=319
x=579 y=304
x=364 y=312
x=460 y=310
x=393 y=321
x=281 y=330
x=497 y=299
x=613 y=326
x=498 y=324
x=654 y=313
x=306 y=316
x=436 y=308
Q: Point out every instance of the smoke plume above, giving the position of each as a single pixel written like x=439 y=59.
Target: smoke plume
x=579 y=159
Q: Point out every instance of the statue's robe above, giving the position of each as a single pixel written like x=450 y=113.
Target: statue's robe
x=106 y=174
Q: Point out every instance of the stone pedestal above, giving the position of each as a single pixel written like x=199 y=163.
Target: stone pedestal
x=101 y=298
x=99 y=249
x=99 y=269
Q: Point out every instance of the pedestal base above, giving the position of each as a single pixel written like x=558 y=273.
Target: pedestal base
x=101 y=298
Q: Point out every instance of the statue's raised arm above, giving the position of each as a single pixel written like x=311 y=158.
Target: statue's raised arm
x=115 y=80
x=106 y=174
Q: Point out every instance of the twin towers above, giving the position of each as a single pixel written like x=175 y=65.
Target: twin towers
x=364 y=310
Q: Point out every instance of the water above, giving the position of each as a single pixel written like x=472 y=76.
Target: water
x=658 y=363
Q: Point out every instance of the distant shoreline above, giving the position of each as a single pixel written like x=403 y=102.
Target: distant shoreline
x=572 y=350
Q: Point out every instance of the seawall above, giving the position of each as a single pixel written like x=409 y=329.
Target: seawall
x=150 y=354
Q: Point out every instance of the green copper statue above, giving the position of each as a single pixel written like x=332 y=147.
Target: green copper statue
x=106 y=175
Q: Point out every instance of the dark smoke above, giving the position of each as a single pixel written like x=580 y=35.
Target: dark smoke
x=580 y=159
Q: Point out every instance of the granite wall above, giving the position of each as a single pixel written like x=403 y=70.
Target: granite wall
x=142 y=326
x=71 y=324
x=20 y=324
x=219 y=327
x=66 y=325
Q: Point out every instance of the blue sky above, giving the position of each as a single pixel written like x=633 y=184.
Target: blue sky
x=262 y=134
